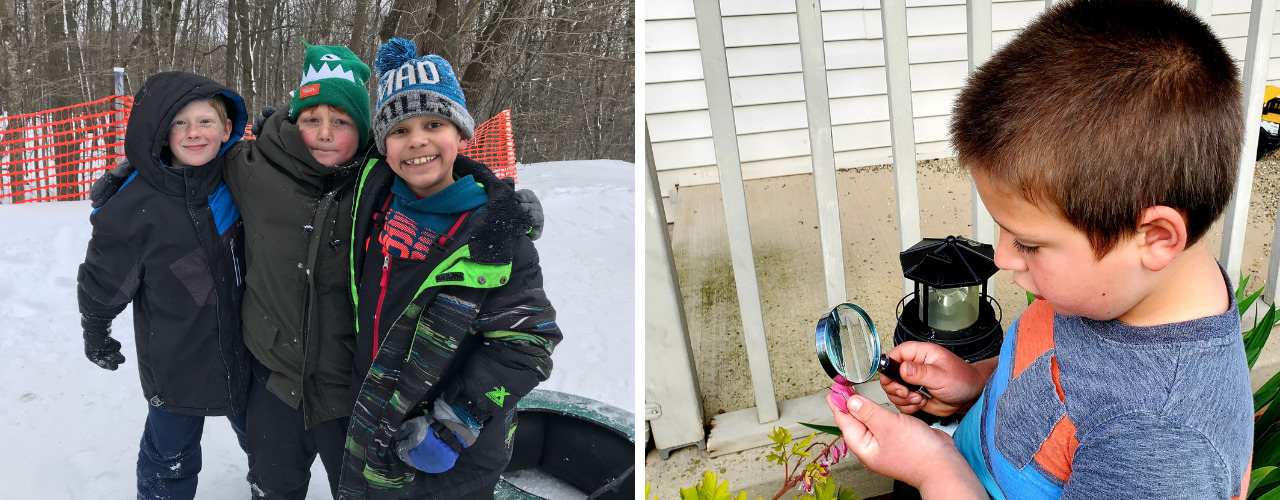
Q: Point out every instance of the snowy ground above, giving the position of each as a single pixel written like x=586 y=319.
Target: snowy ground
x=71 y=429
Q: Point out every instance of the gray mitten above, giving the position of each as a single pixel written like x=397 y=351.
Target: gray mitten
x=530 y=204
x=267 y=111
x=110 y=182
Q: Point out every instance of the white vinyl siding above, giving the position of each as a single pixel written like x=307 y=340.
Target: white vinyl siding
x=763 y=57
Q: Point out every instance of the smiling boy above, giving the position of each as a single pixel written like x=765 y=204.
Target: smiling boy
x=453 y=326
x=1126 y=378
x=171 y=242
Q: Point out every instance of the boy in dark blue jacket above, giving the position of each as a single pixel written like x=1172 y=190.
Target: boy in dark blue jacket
x=171 y=242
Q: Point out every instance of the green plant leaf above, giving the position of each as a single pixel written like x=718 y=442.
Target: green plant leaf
x=1258 y=478
x=1243 y=282
x=1266 y=393
x=846 y=494
x=1274 y=494
x=1268 y=453
x=780 y=435
x=709 y=489
x=1030 y=298
x=828 y=429
x=1245 y=302
x=646 y=491
x=1257 y=337
x=1267 y=422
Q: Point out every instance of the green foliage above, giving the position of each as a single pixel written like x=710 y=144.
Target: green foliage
x=1030 y=298
x=812 y=478
x=825 y=429
x=1264 y=479
x=828 y=491
x=711 y=488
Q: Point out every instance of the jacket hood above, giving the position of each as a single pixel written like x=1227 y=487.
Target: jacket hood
x=154 y=107
x=281 y=142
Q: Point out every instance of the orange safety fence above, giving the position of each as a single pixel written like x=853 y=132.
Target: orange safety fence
x=494 y=145
x=57 y=154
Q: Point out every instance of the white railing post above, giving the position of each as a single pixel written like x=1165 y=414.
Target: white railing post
x=897 y=68
x=1257 y=56
x=821 y=147
x=724 y=138
x=1202 y=8
x=672 y=401
x=979 y=27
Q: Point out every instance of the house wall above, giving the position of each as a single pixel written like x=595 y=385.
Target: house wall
x=763 y=55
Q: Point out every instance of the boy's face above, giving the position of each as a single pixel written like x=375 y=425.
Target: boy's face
x=421 y=150
x=196 y=134
x=1053 y=260
x=329 y=133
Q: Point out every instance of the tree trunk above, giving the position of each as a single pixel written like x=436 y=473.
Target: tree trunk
x=233 y=41
x=359 y=31
x=391 y=24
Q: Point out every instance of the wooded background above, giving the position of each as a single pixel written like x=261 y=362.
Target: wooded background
x=565 y=68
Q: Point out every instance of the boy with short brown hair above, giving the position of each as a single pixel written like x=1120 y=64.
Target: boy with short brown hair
x=1104 y=141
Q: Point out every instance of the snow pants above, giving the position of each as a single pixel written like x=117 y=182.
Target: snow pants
x=282 y=449
x=169 y=455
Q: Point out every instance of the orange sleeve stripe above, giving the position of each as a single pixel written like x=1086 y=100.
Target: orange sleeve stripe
x=1059 y=449
x=1244 y=483
x=1035 y=335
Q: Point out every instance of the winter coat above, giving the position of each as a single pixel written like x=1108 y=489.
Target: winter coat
x=477 y=331
x=171 y=242
x=298 y=318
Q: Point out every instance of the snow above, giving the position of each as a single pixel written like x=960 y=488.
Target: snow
x=72 y=429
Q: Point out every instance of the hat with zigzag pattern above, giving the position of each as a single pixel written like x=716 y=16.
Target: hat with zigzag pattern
x=333 y=75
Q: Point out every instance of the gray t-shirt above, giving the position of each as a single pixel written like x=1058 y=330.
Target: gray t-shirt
x=1089 y=409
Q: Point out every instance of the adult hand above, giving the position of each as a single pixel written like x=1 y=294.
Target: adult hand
x=954 y=383
x=904 y=448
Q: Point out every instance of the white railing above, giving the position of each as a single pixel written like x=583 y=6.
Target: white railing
x=679 y=400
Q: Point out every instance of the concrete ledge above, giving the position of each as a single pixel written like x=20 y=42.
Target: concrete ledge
x=742 y=430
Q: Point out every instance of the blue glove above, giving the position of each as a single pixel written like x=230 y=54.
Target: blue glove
x=431 y=443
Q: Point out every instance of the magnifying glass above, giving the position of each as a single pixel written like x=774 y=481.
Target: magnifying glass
x=849 y=346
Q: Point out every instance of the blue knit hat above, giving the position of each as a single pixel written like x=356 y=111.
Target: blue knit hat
x=410 y=86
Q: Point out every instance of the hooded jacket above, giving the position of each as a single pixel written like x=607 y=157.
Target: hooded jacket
x=171 y=242
x=298 y=319
x=484 y=287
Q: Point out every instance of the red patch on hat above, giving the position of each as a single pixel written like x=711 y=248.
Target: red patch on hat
x=309 y=91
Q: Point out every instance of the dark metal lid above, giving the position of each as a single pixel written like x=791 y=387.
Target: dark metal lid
x=950 y=262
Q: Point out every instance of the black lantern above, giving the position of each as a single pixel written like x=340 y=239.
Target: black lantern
x=950 y=305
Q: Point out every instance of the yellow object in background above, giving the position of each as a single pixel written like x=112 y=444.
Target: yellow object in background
x=1271 y=112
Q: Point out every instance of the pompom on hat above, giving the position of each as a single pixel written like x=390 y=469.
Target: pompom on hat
x=411 y=86
x=333 y=75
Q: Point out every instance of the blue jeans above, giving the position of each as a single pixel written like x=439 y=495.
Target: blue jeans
x=169 y=456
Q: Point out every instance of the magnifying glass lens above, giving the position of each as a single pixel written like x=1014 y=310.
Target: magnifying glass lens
x=860 y=357
x=849 y=346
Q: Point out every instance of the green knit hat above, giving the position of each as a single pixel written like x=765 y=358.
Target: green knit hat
x=333 y=75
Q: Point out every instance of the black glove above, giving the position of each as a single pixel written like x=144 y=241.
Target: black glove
x=107 y=185
x=99 y=347
x=267 y=111
x=530 y=204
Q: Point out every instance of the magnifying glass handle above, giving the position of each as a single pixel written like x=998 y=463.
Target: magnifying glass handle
x=889 y=368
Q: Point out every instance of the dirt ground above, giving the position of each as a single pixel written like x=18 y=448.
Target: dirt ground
x=785 y=240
